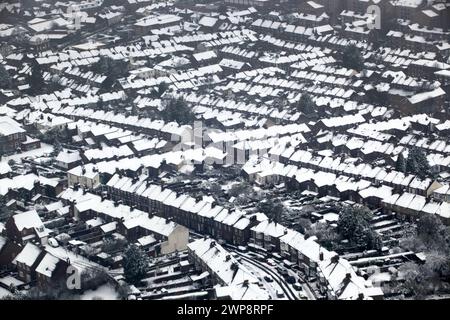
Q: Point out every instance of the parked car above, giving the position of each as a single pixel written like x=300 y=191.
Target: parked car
x=290 y=279
x=287 y=264
x=271 y=262
x=303 y=296
x=284 y=273
x=280 y=269
x=268 y=278
x=280 y=294
x=276 y=256
x=53 y=242
x=295 y=268
x=260 y=258
x=297 y=286
x=242 y=249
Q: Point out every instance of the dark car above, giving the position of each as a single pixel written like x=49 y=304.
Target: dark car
x=260 y=258
x=281 y=270
x=290 y=279
x=295 y=268
x=297 y=286
x=268 y=278
x=284 y=273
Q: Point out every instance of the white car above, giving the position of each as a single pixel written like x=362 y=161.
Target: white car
x=271 y=262
x=242 y=249
x=302 y=296
x=53 y=242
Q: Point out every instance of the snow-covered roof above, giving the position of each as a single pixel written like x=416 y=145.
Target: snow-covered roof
x=4 y=168
x=221 y=263
x=9 y=126
x=27 y=220
x=47 y=265
x=28 y=255
x=68 y=157
x=344 y=283
x=270 y=228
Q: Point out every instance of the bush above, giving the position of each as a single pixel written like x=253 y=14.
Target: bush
x=92 y=279
x=271 y=208
x=326 y=235
x=238 y=189
x=113 y=245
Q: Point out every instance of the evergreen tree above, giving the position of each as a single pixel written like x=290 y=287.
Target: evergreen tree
x=327 y=236
x=352 y=58
x=222 y=9
x=417 y=163
x=177 y=110
x=354 y=224
x=56 y=136
x=162 y=87
x=5 y=79
x=102 y=66
x=135 y=264
x=110 y=67
x=401 y=163
x=5 y=212
x=411 y=164
x=432 y=237
x=306 y=105
x=100 y=104
x=36 y=79
x=107 y=84
x=422 y=162
x=434 y=234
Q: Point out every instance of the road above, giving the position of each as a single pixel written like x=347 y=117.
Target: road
x=306 y=288
x=288 y=292
x=288 y=289
x=265 y=269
